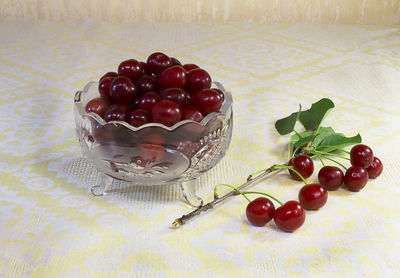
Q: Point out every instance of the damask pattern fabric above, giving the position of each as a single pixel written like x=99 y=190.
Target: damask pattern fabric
x=50 y=226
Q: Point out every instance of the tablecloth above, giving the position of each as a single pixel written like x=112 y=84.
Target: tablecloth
x=51 y=226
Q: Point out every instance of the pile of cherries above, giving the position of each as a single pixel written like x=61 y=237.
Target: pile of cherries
x=160 y=90
x=291 y=215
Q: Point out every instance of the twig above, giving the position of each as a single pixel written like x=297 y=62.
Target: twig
x=182 y=220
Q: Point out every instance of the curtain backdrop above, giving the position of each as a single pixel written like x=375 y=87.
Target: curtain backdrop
x=270 y=11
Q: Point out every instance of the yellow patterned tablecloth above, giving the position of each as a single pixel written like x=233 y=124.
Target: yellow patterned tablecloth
x=50 y=226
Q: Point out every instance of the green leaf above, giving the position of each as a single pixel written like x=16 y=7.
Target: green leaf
x=323 y=132
x=286 y=125
x=312 y=118
x=300 y=139
x=338 y=141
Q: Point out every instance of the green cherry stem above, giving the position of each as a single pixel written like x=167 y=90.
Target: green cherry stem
x=320 y=159
x=337 y=162
x=262 y=193
x=230 y=186
x=292 y=169
x=333 y=147
x=328 y=153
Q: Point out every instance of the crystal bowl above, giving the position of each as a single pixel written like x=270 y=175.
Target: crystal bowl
x=152 y=154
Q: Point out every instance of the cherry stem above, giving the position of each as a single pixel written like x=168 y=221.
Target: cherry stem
x=337 y=162
x=262 y=193
x=320 y=159
x=334 y=147
x=328 y=153
x=292 y=169
x=230 y=186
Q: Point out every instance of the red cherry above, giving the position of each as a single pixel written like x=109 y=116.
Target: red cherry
x=290 y=216
x=361 y=155
x=148 y=100
x=220 y=93
x=139 y=117
x=173 y=77
x=175 y=62
x=117 y=112
x=97 y=105
x=331 y=177
x=207 y=101
x=144 y=67
x=123 y=90
x=302 y=164
x=130 y=68
x=198 y=79
x=158 y=62
x=375 y=169
x=176 y=95
x=260 y=211
x=151 y=152
x=146 y=83
x=109 y=74
x=104 y=87
x=192 y=113
x=189 y=67
x=154 y=138
x=166 y=112
x=356 y=178
x=313 y=196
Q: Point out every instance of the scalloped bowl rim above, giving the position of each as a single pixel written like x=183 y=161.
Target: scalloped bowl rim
x=225 y=109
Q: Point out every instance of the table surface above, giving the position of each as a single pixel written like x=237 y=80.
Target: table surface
x=50 y=226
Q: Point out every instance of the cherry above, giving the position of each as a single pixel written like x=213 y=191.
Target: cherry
x=139 y=117
x=192 y=113
x=148 y=100
x=189 y=99
x=189 y=67
x=313 y=196
x=144 y=67
x=331 y=177
x=198 y=79
x=260 y=211
x=176 y=95
x=97 y=105
x=302 y=164
x=104 y=87
x=207 y=101
x=158 y=62
x=166 y=112
x=146 y=83
x=175 y=62
x=123 y=90
x=151 y=152
x=154 y=138
x=109 y=74
x=130 y=68
x=117 y=112
x=173 y=77
x=221 y=94
x=290 y=216
x=356 y=178
x=361 y=155
x=375 y=169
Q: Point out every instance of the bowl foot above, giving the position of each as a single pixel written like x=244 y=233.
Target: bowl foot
x=189 y=193
x=104 y=185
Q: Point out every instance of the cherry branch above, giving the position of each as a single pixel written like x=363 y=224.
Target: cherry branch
x=250 y=180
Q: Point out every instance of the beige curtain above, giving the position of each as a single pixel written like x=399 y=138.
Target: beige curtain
x=271 y=11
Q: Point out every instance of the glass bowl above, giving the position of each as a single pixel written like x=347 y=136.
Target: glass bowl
x=152 y=154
